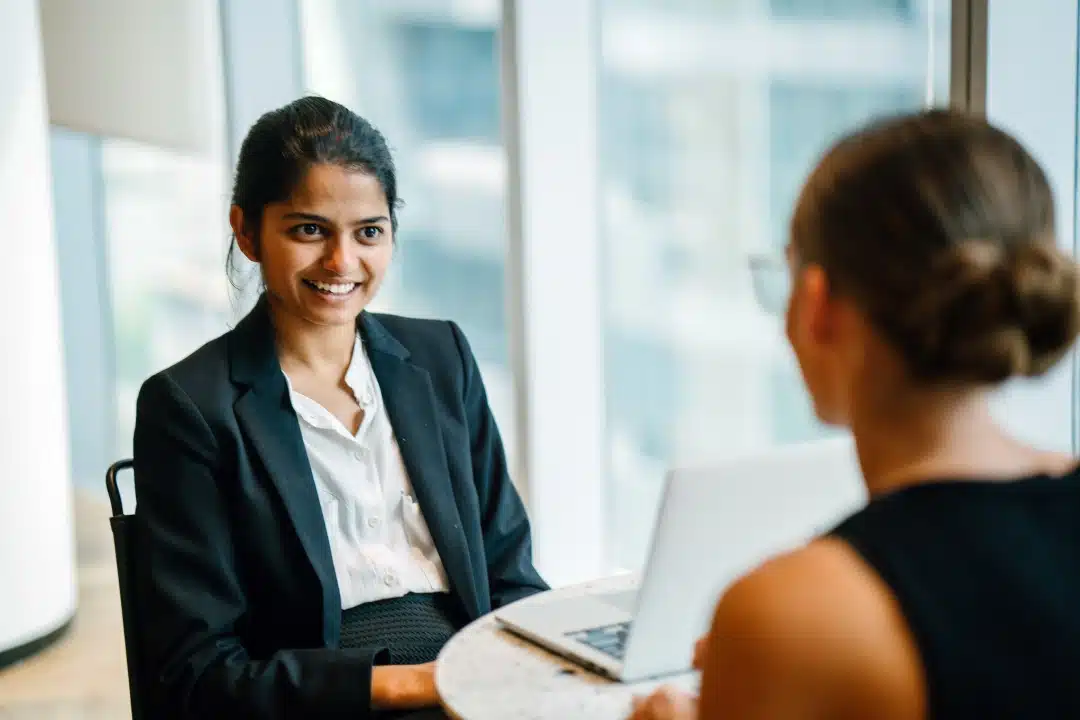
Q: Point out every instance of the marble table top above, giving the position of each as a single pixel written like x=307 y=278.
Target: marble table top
x=485 y=672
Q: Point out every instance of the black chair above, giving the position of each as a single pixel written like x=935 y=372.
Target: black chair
x=123 y=528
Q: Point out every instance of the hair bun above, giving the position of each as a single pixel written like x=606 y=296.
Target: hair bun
x=990 y=311
x=1044 y=282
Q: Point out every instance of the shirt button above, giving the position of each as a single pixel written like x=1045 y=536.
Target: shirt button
x=360 y=454
x=373 y=522
x=389 y=579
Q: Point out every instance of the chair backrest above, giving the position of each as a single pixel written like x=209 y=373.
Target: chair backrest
x=124 y=541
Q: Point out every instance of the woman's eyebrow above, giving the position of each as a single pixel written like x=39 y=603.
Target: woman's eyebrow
x=312 y=217
x=307 y=216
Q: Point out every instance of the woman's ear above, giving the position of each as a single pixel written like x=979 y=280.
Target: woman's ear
x=244 y=240
x=818 y=306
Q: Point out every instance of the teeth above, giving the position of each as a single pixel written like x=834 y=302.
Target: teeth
x=335 y=288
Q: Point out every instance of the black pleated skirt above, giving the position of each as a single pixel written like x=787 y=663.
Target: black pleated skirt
x=414 y=627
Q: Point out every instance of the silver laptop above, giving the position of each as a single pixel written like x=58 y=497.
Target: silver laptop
x=713 y=526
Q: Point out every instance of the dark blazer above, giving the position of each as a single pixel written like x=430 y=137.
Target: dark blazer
x=240 y=605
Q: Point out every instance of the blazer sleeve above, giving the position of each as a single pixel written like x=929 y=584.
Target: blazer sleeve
x=505 y=526
x=191 y=595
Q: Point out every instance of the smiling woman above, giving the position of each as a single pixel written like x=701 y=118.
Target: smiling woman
x=323 y=493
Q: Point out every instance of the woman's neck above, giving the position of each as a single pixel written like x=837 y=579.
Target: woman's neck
x=323 y=350
x=923 y=436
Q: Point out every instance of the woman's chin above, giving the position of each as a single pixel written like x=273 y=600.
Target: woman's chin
x=333 y=317
x=321 y=314
x=824 y=414
x=831 y=419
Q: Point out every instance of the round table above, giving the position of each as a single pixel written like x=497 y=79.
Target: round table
x=486 y=672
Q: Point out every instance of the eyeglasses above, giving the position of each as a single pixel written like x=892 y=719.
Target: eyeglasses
x=771 y=278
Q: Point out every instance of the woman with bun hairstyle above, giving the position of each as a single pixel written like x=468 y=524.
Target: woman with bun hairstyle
x=925 y=274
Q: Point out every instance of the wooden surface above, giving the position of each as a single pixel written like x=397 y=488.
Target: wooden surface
x=485 y=673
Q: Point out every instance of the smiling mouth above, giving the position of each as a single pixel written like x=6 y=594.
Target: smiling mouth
x=331 y=288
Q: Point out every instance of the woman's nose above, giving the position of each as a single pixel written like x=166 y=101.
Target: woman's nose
x=340 y=258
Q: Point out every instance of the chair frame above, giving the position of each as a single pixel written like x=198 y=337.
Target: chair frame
x=123 y=527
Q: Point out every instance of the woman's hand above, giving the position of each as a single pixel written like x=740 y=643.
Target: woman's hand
x=667 y=703
x=403 y=687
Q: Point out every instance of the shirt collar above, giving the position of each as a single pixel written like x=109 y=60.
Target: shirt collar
x=358 y=376
x=306 y=409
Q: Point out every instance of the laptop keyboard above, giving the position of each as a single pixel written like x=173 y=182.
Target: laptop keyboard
x=608 y=639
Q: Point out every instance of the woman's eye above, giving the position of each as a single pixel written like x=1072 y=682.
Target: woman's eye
x=371 y=232
x=307 y=231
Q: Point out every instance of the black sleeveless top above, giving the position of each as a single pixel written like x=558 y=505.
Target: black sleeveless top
x=988 y=577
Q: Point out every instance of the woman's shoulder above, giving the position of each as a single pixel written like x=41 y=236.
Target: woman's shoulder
x=819 y=618
x=410 y=331
x=428 y=342
x=202 y=377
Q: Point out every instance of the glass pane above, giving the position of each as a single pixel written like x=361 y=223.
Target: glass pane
x=711 y=114
x=426 y=73
x=166 y=223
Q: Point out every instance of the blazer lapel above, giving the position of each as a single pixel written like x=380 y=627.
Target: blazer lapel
x=410 y=401
x=266 y=416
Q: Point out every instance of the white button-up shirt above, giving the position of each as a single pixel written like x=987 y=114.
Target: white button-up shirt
x=379 y=540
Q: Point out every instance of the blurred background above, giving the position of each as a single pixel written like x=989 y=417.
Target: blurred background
x=585 y=182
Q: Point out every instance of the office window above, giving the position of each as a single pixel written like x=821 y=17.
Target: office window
x=710 y=117
x=165 y=217
x=843 y=9
x=450 y=79
x=1032 y=93
x=427 y=75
